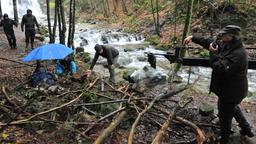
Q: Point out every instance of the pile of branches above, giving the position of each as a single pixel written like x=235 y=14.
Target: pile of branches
x=97 y=112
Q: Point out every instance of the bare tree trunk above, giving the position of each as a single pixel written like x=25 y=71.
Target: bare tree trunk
x=49 y=21
x=63 y=21
x=124 y=7
x=157 y=18
x=55 y=21
x=105 y=12
x=15 y=11
x=74 y=22
x=185 y=33
x=1 y=14
x=71 y=23
x=154 y=17
x=115 y=4
x=59 y=22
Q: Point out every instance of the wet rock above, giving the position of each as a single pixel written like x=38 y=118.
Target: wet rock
x=149 y=76
x=91 y=21
x=142 y=58
x=124 y=61
x=104 y=39
x=79 y=50
x=84 y=42
x=206 y=109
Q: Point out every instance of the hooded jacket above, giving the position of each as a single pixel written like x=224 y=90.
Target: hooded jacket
x=108 y=52
x=8 y=25
x=29 y=21
x=229 y=75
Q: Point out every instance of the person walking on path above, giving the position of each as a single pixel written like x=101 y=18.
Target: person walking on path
x=29 y=21
x=228 y=59
x=111 y=54
x=7 y=25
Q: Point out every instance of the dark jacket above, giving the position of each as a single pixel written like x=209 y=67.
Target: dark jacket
x=8 y=25
x=108 y=52
x=229 y=76
x=29 y=22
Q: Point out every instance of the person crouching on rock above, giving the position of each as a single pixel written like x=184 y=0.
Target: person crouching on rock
x=8 y=24
x=111 y=54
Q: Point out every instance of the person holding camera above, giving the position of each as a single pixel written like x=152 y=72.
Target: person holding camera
x=228 y=60
x=111 y=54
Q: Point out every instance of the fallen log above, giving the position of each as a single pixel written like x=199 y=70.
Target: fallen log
x=106 y=132
x=15 y=61
x=160 y=134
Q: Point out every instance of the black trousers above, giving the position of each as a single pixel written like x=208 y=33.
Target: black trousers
x=30 y=36
x=11 y=39
x=226 y=113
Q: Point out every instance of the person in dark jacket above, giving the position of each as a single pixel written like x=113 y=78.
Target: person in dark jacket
x=228 y=60
x=111 y=54
x=29 y=21
x=8 y=30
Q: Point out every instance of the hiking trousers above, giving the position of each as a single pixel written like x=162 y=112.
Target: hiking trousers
x=11 y=39
x=226 y=113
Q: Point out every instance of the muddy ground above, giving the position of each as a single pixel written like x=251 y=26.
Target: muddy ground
x=13 y=75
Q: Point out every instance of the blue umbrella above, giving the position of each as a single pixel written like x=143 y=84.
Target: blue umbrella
x=48 y=52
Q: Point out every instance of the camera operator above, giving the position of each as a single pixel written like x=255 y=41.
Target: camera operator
x=228 y=60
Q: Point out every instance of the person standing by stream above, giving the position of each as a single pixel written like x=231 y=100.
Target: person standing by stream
x=29 y=21
x=228 y=59
x=8 y=24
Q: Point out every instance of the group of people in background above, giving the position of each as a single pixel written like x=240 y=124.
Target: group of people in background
x=28 y=20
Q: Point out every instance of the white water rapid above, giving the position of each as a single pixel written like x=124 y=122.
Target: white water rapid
x=22 y=6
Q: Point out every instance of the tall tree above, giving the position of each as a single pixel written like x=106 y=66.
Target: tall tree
x=185 y=34
x=49 y=21
x=55 y=21
x=1 y=14
x=155 y=17
x=71 y=23
x=15 y=11
x=63 y=23
x=105 y=8
x=124 y=7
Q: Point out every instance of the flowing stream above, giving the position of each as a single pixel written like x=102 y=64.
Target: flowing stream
x=22 y=6
x=132 y=48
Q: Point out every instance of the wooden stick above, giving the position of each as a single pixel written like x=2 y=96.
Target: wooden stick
x=15 y=61
x=103 y=118
x=160 y=134
x=106 y=132
x=55 y=108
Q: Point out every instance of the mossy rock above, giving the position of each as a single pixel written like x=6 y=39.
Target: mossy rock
x=162 y=47
x=86 y=57
x=206 y=109
x=153 y=40
x=127 y=73
x=104 y=39
x=142 y=59
x=79 y=50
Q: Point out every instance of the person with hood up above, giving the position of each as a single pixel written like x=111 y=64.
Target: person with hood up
x=229 y=63
x=111 y=54
x=8 y=24
x=29 y=21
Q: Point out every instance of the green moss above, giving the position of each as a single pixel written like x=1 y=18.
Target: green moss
x=162 y=47
x=153 y=40
x=86 y=57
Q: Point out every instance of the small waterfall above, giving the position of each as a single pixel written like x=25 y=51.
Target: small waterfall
x=22 y=6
